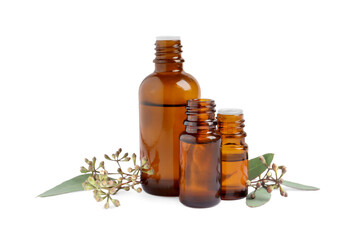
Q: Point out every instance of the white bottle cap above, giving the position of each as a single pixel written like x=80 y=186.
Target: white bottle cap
x=230 y=111
x=164 y=38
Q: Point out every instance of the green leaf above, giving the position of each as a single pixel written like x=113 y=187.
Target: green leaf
x=68 y=186
x=256 y=167
x=261 y=197
x=299 y=186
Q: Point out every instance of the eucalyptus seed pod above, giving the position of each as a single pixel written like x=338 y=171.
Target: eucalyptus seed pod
x=83 y=170
x=274 y=166
x=102 y=164
x=115 y=202
x=113 y=190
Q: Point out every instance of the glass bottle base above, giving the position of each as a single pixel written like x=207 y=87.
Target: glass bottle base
x=234 y=194
x=166 y=188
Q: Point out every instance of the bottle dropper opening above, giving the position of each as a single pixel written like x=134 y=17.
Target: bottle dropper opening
x=167 y=38
x=230 y=111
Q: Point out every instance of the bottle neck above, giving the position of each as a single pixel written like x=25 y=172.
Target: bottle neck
x=168 y=56
x=232 y=126
x=200 y=116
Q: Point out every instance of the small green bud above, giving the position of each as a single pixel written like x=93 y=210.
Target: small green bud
x=106 y=206
x=252 y=195
x=102 y=164
x=87 y=160
x=98 y=198
x=103 y=183
x=125 y=155
x=119 y=171
x=282 y=192
x=120 y=150
x=274 y=167
x=110 y=183
x=113 y=190
x=115 y=202
x=134 y=158
x=280 y=181
x=126 y=188
x=113 y=156
x=269 y=174
x=143 y=161
x=107 y=157
x=130 y=169
x=88 y=186
x=258 y=184
x=133 y=177
x=90 y=166
x=120 y=179
x=117 y=154
x=283 y=170
x=137 y=167
x=269 y=189
x=150 y=172
x=91 y=180
x=83 y=170
x=139 y=190
x=94 y=160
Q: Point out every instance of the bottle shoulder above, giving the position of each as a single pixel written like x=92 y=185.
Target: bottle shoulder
x=199 y=138
x=170 y=88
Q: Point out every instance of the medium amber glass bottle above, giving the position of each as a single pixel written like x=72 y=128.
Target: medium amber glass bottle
x=200 y=158
x=162 y=98
x=234 y=154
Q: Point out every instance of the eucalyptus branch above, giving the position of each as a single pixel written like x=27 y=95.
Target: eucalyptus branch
x=104 y=186
x=267 y=181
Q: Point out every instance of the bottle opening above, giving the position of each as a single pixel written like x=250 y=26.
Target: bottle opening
x=167 y=38
x=230 y=111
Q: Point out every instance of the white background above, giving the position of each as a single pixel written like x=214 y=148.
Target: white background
x=69 y=78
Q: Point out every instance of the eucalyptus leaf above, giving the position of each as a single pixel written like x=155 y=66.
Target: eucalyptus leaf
x=299 y=186
x=71 y=185
x=256 y=167
x=261 y=197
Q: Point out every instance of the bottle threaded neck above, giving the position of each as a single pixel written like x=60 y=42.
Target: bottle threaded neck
x=168 y=51
x=200 y=115
x=231 y=123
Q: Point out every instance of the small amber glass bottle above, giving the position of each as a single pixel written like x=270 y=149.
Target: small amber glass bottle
x=200 y=157
x=234 y=154
x=162 y=98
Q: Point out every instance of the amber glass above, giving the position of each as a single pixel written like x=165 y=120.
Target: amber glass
x=162 y=98
x=234 y=154
x=200 y=158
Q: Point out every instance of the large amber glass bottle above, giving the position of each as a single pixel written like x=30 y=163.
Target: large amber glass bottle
x=200 y=159
x=162 y=98
x=234 y=152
